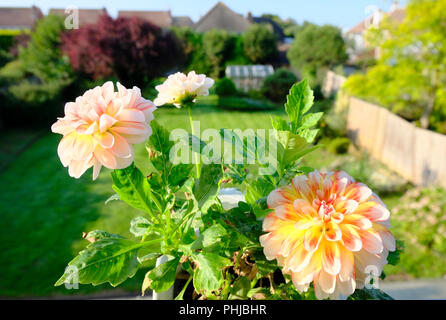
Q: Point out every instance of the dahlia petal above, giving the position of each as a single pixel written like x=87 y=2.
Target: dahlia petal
x=312 y=238
x=96 y=169
x=106 y=139
x=133 y=132
x=358 y=192
x=374 y=211
x=332 y=232
x=331 y=258
x=371 y=241
x=299 y=259
x=65 y=148
x=106 y=122
x=327 y=282
x=358 y=220
x=271 y=245
x=351 y=238
x=105 y=157
x=132 y=115
x=120 y=147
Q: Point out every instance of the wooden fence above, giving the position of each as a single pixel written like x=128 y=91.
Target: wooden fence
x=417 y=154
x=332 y=83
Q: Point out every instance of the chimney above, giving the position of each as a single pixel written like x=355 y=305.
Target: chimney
x=249 y=16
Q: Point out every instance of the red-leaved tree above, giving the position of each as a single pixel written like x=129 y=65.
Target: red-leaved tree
x=133 y=50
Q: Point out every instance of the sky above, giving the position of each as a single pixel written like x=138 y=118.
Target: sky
x=342 y=13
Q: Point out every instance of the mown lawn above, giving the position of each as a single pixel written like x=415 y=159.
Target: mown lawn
x=44 y=211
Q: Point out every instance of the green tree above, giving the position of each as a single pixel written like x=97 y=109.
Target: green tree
x=42 y=56
x=260 y=43
x=217 y=47
x=410 y=76
x=192 y=46
x=315 y=48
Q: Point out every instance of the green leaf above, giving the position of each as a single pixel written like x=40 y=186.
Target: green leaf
x=299 y=101
x=369 y=294
x=138 y=226
x=159 y=140
x=132 y=187
x=394 y=256
x=206 y=188
x=311 y=119
x=280 y=124
x=208 y=275
x=163 y=276
x=241 y=288
x=179 y=174
x=291 y=148
x=257 y=189
x=209 y=237
x=110 y=260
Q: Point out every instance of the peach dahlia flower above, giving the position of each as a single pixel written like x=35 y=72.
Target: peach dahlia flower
x=329 y=230
x=100 y=127
x=179 y=88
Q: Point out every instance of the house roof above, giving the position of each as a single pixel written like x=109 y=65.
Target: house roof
x=86 y=16
x=162 y=19
x=278 y=31
x=396 y=14
x=19 y=18
x=221 y=17
x=182 y=22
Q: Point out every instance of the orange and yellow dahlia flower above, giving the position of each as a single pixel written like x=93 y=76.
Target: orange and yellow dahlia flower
x=328 y=230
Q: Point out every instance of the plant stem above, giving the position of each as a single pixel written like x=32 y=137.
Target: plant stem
x=189 y=109
x=181 y=294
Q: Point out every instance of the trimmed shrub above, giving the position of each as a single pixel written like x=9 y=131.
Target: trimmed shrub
x=225 y=87
x=276 y=86
x=133 y=50
x=245 y=104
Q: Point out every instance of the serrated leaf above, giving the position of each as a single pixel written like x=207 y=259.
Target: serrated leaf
x=159 y=140
x=163 y=276
x=299 y=101
x=310 y=120
x=138 y=226
x=132 y=187
x=110 y=260
x=206 y=187
x=209 y=237
x=279 y=123
x=208 y=275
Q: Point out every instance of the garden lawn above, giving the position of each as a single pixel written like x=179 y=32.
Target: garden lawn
x=44 y=211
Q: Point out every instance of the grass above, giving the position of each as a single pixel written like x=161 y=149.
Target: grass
x=44 y=211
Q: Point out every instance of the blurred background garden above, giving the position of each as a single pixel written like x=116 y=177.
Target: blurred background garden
x=381 y=84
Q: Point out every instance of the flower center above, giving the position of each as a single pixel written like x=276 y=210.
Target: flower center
x=325 y=211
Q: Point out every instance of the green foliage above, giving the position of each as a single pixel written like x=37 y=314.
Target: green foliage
x=245 y=104
x=162 y=277
x=225 y=87
x=112 y=260
x=192 y=46
x=217 y=46
x=369 y=294
x=410 y=75
x=316 y=47
x=206 y=187
x=132 y=187
x=208 y=276
x=339 y=145
x=42 y=57
x=260 y=43
x=419 y=219
x=276 y=86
